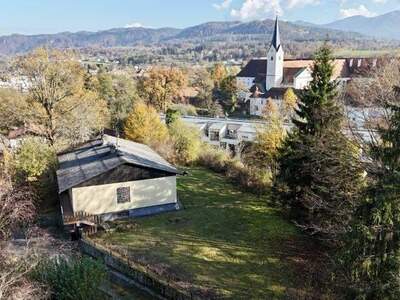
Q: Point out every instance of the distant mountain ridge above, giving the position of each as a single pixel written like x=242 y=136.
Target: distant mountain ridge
x=383 y=26
x=125 y=37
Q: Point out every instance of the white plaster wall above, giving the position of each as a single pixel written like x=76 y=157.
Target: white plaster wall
x=257 y=106
x=302 y=80
x=102 y=199
x=274 y=68
x=246 y=82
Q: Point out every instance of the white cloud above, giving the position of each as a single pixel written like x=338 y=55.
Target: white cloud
x=224 y=5
x=294 y=3
x=251 y=9
x=357 y=11
x=134 y=25
x=257 y=8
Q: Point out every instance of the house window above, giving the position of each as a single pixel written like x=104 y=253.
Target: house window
x=123 y=195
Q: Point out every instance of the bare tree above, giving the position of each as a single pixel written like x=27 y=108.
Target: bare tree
x=14 y=279
x=16 y=206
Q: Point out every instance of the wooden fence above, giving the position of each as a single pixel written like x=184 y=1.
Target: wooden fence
x=164 y=286
x=82 y=217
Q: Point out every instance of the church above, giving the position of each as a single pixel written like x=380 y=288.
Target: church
x=267 y=79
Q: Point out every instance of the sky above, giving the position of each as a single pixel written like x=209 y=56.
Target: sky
x=51 y=16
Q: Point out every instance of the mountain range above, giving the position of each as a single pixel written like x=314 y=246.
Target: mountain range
x=382 y=26
x=353 y=28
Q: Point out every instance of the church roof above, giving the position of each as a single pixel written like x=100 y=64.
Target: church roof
x=276 y=38
x=342 y=67
x=254 y=67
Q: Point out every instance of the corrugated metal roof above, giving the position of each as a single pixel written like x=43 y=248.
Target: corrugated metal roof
x=100 y=156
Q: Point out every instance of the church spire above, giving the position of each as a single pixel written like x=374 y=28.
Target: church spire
x=276 y=38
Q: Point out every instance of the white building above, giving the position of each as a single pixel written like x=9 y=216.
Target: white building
x=112 y=178
x=227 y=134
x=268 y=78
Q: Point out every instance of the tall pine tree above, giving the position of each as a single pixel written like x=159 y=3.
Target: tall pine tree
x=318 y=169
x=372 y=253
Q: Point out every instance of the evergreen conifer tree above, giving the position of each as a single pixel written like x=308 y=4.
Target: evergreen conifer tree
x=318 y=169
x=372 y=252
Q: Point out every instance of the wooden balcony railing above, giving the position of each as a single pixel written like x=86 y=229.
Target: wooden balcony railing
x=82 y=217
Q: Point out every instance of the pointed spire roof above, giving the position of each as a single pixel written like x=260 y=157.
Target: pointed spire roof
x=276 y=38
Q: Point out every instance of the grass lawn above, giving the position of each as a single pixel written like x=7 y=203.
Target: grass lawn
x=226 y=240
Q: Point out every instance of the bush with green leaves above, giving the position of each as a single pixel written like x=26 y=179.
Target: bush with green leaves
x=34 y=164
x=171 y=116
x=77 y=278
x=33 y=159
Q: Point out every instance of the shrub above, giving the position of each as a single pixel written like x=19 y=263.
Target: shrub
x=34 y=159
x=171 y=116
x=166 y=149
x=17 y=207
x=213 y=158
x=144 y=125
x=253 y=179
x=75 y=279
x=186 y=141
x=184 y=109
x=34 y=163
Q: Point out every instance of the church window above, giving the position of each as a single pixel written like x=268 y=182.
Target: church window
x=272 y=58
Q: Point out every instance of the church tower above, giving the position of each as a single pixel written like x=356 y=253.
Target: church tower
x=275 y=60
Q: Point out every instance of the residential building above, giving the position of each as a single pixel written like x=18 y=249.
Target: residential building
x=227 y=134
x=114 y=178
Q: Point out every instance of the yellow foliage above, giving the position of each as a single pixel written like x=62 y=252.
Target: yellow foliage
x=218 y=74
x=268 y=140
x=187 y=141
x=63 y=107
x=270 y=109
x=144 y=125
x=289 y=101
x=162 y=86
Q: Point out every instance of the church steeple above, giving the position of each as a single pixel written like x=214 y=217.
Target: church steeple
x=275 y=58
x=276 y=38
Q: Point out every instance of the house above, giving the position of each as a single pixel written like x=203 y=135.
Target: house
x=266 y=79
x=18 y=135
x=113 y=178
x=226 y=134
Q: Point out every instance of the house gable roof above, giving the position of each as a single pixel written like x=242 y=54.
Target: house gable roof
x=254 y=67
x=343 y=67
x=102 y=155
